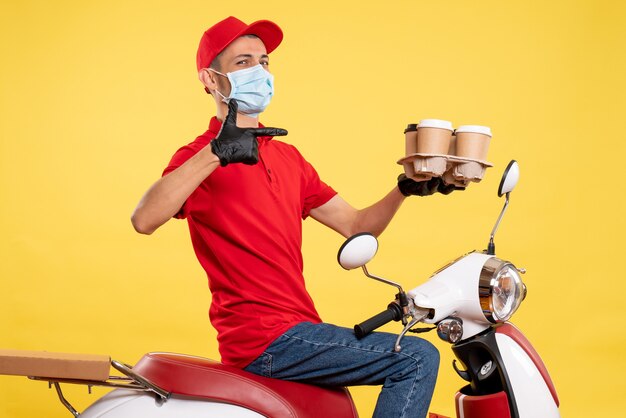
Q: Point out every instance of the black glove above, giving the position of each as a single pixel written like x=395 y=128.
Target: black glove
x=410 y=187
x=239 y=145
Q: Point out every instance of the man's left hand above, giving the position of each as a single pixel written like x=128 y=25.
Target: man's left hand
x=410 y=187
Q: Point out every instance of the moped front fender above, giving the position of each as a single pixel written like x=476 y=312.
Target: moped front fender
x=502 y=366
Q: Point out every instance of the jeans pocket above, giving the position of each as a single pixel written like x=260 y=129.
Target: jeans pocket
x=261 y=366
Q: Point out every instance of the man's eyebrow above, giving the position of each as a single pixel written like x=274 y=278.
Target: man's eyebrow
x=249 y=56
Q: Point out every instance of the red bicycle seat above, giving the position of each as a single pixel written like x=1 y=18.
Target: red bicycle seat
x=204 y=378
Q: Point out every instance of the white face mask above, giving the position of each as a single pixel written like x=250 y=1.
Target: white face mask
x=252 y=87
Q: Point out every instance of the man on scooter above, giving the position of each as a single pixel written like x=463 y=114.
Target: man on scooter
x=244 y=195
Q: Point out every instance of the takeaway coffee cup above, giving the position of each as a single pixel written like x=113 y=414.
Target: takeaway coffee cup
x=410 y=135
x=472 y=142
x=433 y=137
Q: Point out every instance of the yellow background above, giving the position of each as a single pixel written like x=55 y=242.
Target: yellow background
x=96 y=96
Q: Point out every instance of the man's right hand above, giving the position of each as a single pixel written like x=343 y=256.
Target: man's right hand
x=239 y=145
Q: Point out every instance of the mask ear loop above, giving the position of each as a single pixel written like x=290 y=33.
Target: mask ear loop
x=217 y=72
x=224 y=98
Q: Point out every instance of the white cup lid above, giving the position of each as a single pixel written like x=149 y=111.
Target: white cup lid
x=435 y=123
x=477 y=129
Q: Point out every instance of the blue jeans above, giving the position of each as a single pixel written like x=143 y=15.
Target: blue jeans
x=324 y=354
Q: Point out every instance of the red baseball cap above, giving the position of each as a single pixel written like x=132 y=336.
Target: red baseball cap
x=220 y=35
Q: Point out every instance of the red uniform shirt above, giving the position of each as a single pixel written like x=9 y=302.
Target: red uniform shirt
x=246 y=229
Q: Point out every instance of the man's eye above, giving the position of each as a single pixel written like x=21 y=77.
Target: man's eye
x=242 y=62
x=265 y=63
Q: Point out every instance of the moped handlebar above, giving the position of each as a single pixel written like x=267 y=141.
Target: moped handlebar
x=392 y=313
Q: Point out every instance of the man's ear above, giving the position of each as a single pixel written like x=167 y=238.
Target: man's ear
x=208 y=79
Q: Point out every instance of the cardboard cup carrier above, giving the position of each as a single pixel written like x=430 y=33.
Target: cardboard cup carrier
x=434 y=149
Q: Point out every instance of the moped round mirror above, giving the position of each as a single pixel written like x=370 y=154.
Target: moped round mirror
x=357 y=251
x=509 y=178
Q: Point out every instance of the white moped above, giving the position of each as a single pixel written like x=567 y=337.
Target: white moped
x=470 y=300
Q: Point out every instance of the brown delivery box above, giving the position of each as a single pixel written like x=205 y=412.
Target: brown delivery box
x=55 y=365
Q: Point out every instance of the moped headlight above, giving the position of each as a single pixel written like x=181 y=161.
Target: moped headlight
x=500 y=290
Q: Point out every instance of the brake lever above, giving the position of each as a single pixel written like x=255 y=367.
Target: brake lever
x=418 y=315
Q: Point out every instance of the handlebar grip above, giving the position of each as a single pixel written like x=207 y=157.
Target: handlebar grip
x=392 y=313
